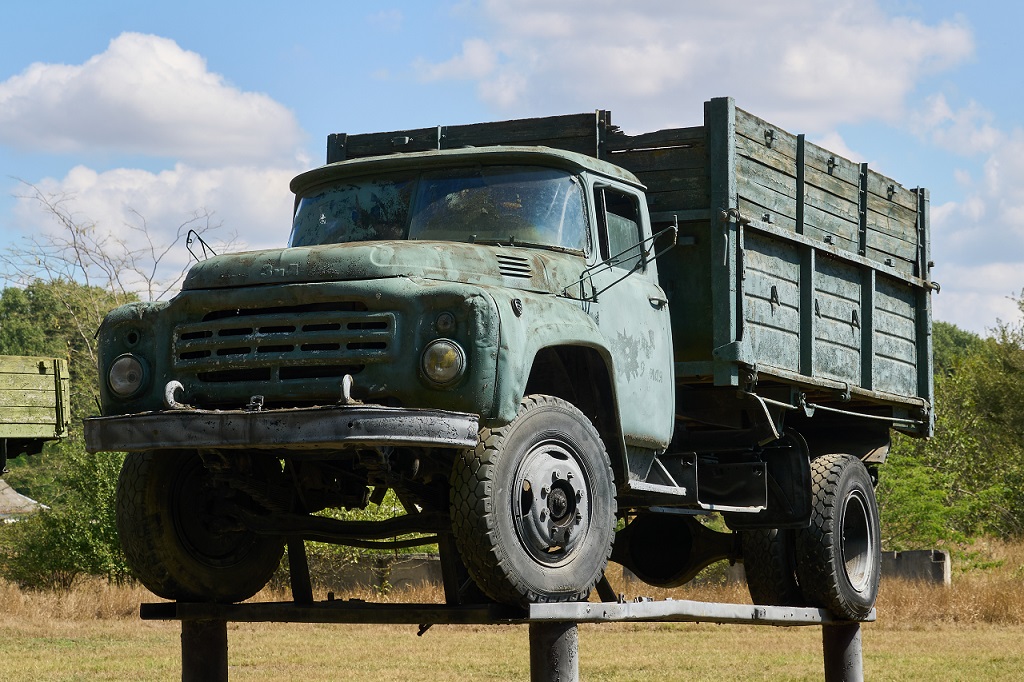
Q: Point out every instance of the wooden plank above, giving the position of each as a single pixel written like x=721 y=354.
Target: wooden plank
x=892 y=220
x=766 y=189
x=842 y=169
x=28 y=382
x=830 y=223
x=757 y=212
x=523 y=131
x=889 y=264
x=755 y=129
x=617 y=141
x=14 y=364
x=32 y=398
x=837 y=362
x=44 y=431
x=652 y=160
x=375 y=144
x=833 y=196
x=27 y=415
x=770 y=158
x=674 y=179
x=891 y=245
x=684 y=200
x=879 y=185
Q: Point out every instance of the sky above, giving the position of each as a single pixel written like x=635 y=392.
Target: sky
x=163 y=114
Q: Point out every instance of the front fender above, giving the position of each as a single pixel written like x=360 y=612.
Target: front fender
x=529 y=323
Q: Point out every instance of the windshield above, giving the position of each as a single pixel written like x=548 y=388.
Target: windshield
x=485 y=204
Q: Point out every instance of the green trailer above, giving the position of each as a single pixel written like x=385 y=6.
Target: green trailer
x=34 y=404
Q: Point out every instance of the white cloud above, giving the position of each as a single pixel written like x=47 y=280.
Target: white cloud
x=653 y=62
x=144 y=95
x=477 y=60
x=965 y=131
x=979 y=242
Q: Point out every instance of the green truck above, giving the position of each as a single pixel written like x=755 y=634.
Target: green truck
x=34 y=404
x=559 y=345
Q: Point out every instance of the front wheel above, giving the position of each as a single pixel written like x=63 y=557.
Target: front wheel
x=533 y=505
x=177 y=533
x=839 y=554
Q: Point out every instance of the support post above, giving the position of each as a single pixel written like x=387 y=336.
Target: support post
x=204 y=651
x=554 y=652
x=841 y=646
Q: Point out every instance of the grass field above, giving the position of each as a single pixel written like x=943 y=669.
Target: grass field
x=973 y=631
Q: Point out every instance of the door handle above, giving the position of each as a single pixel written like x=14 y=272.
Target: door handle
x=657 y=301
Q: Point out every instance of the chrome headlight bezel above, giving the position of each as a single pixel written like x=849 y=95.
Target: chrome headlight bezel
x=443 y=362
x=127 y=376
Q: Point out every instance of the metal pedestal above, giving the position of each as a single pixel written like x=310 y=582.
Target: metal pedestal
x=554 y=636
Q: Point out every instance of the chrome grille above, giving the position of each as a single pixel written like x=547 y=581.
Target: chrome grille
x=296 y=343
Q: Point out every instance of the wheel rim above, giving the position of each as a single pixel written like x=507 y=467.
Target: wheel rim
x=858 y=542
x=551 y=502
x=195 y=515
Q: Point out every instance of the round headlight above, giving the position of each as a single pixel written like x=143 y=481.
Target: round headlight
x=126 y=375
x=443 y=361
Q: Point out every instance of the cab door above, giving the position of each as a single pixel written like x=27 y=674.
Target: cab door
x=632 y=314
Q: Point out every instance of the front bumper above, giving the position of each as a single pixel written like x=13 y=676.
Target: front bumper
x=332 y=427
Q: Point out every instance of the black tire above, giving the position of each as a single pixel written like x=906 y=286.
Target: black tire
x=166 y=521
x=533 y=505
x=839 y=554
x=769 y=561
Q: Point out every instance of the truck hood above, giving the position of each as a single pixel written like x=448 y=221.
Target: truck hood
x=515 y=267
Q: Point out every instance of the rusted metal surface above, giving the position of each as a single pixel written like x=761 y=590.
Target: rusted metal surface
x=357 y=611
x=335 y=427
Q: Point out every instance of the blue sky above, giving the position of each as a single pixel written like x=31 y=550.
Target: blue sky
x=155 y=110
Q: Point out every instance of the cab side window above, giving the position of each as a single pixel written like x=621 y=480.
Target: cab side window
x=619 y=219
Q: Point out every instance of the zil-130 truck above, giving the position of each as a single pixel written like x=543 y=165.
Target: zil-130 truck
x=559 y=345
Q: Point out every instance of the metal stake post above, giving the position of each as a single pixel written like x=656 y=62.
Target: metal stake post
x=204 y=651
x=554 y=652
x=841 y=646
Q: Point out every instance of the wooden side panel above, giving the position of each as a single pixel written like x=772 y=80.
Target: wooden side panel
x=766 y=184
x=573 y=132
x=771 y=301
x=838 y=315
x=32 y=392
x=895 y=338
x=831 y=194
x=891 y=230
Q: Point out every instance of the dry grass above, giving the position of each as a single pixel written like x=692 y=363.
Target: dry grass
x=972 y=631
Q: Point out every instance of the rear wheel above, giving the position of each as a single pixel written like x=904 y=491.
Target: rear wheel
x=177 y=533
x=839 y=554
x=533 y=505
x=769 y=561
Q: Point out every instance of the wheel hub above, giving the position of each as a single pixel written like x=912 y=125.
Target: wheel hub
x=552 y=514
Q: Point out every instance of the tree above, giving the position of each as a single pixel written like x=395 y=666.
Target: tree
x=64 y=282
x=969 y=478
